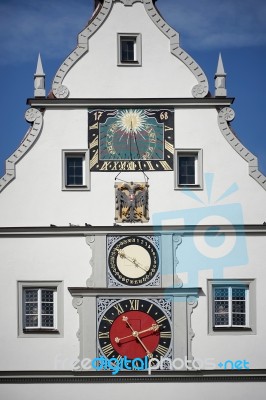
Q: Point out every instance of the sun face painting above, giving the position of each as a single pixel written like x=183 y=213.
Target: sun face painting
x=134 y=138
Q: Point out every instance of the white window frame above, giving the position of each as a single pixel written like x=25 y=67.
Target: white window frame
x=136 y=38
x=250 y=309
x=198 y=154
x=41 y=331
x=84 y=154
x=39 y=305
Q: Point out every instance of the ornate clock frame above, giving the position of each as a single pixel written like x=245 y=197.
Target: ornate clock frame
x=131 y=139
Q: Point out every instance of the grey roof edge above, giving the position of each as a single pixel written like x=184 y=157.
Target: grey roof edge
x=202 y=88
x=132 y=102
x=180 y=230
x=35 y=117
x=60 y=91
x=225 y=116
x=63 y=376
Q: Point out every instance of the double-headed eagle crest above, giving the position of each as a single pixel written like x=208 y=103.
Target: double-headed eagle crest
x=131 y=202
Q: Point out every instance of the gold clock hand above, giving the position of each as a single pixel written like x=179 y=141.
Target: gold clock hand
x=136 y=335
x=154 y=328
x=122 y=254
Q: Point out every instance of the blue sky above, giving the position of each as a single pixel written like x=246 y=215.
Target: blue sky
x=237 y=28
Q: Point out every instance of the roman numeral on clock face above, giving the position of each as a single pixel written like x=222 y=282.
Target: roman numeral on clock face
x=108 y=320
x=166 y=335
x=162 y=350
x=103 y=335
x=108 y=350
x=163 y=318
x=134 y=304
x=119 y=309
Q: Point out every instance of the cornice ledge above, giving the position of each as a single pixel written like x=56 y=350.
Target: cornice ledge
x=59 y=90
x=202 y=88
x=225 y=116
x=35 y=117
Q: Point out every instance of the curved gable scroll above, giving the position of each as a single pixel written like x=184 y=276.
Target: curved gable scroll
x=35 y=117
x=60 y=91
x=225 y=116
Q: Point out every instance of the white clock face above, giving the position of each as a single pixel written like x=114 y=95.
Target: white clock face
x=133 y=261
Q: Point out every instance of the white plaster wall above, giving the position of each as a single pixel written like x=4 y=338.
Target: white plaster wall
x=234 y=347
x=40 y=259
x=132 y=391
x=97 y=75
x=35 y=197
x=67 y=259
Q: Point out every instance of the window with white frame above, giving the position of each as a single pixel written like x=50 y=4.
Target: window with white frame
x=231 y=306
x=129 y=49
x=188 y=169
x=40 y=308
x=75 y=170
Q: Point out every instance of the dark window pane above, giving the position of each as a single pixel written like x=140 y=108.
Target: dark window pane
x=47 y=321
x=221 y=319
x=221 y=293
x=31 y=321
x=127 y=50
x=74 y=170
x=239 y=306
x=31 y=295
x=238 y=294
x=239 y=319
x=47 y=308
x=187 y=170
x=31 y=308
x=47 y=295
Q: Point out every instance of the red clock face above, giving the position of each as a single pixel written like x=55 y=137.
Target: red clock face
x=134 y=328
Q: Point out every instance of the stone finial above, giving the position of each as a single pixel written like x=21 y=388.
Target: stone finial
x=39 y=80
x=220 y=79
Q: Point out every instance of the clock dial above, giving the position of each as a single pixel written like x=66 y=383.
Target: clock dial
x=133 y=260
x=135 y=328
x=131 y=139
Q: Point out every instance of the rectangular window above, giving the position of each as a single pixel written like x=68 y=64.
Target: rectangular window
x=40 y=309
x=188 y=169
x=75 y=165
x=74 y=175
x=129 y=49
x=231 y=306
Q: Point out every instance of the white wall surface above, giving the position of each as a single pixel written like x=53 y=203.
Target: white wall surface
x=132 y=391
x=35 y=197
x=97 y=75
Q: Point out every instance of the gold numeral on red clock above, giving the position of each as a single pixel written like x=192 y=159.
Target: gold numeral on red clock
x=134 y=304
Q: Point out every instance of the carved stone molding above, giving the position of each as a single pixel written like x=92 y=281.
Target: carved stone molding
x=192 y=302
x=200 y=90
x=90 y=240
x=35 y=117
x=97 y=20
x=226 y=115
x=130 y=2
x=177 y=240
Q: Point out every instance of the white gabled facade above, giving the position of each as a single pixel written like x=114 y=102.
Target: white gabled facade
x=55 y=235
